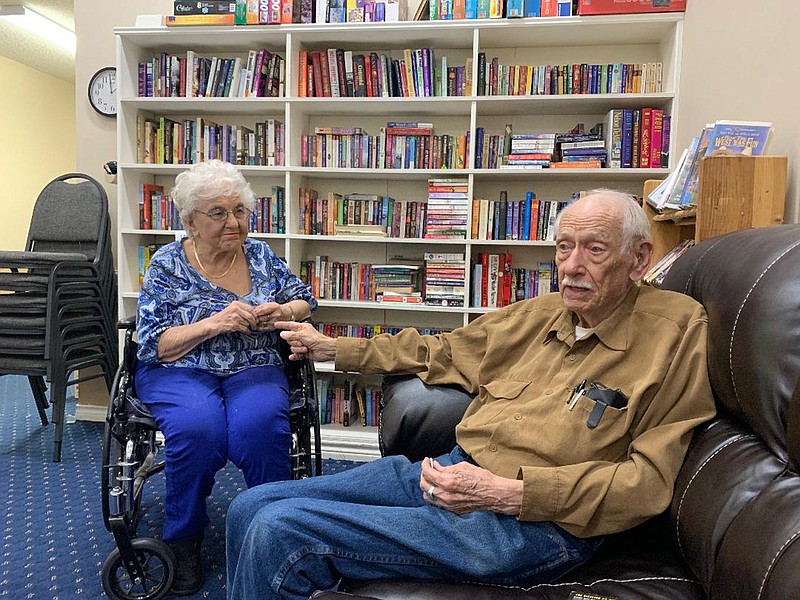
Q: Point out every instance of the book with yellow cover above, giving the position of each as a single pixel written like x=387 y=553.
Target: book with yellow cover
x=210 y=19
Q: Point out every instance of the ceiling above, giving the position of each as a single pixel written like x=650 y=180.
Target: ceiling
x=28 y=49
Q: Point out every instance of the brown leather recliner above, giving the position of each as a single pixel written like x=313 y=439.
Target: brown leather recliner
x=733 y=527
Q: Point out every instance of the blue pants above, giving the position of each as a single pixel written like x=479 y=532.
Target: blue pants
x=208 y=419
x=288 y=539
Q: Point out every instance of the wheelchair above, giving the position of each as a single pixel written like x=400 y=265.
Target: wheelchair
x=142 y=568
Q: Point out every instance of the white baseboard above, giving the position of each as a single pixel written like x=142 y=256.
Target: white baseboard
x=90 y=412
x=350 y=443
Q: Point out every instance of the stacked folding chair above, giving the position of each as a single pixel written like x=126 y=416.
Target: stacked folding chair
x=58 y=296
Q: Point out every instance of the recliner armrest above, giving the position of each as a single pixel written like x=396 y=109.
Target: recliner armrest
x=417 y=419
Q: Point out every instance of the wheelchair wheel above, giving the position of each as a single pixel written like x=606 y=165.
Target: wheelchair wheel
x=158 y=564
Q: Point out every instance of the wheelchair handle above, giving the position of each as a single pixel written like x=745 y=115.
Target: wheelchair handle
x=127 y=323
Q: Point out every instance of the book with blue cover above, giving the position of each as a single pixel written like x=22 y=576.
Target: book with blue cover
x=749 y=138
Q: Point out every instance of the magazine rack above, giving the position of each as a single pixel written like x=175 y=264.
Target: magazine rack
x=735 y=192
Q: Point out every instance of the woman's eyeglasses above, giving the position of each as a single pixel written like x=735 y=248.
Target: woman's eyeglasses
x=240 y=213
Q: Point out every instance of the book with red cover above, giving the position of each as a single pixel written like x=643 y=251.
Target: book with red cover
x=646 y=123
x=656 y=129
x=618 y=7
x=324 y=71
x=316 y=69
x=548 y=8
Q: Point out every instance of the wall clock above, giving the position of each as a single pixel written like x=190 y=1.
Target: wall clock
x=103 y=91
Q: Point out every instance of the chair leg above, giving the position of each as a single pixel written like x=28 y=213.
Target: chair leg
x=58 y=398
x=38 y=388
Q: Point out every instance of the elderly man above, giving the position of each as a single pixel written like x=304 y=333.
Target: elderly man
x=585 y=405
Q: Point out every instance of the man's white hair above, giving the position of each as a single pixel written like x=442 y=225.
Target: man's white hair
x=635 y=225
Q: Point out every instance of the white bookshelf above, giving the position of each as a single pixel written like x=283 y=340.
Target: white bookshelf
x=623 y=38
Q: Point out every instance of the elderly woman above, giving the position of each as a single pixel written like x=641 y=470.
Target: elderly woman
x=209 y=367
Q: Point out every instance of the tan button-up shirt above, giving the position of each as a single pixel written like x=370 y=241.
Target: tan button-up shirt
x=523 y=362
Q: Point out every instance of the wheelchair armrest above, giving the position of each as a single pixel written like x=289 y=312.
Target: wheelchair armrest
x=417 y=419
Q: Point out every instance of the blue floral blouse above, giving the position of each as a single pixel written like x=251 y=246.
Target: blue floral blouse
x=173 y=294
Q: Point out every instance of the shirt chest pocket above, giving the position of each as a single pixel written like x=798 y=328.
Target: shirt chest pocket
x=595 y=431
x=497 y=396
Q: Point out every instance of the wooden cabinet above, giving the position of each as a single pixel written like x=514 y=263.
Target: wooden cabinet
x=735 y=192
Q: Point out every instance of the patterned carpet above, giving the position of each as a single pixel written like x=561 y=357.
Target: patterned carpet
x=54 y=542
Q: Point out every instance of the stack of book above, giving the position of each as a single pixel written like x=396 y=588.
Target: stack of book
x=530 y=150
x=396 y=283
x=448 y=209
x=580 y=150
x=445 y=283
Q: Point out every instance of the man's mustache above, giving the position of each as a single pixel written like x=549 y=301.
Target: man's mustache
x=568 y=281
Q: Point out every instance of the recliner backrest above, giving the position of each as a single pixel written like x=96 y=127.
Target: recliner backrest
x=749 y=283
x=736 y=506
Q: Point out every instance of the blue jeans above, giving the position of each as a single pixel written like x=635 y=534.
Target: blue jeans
x=208 y=419
x=288 y=539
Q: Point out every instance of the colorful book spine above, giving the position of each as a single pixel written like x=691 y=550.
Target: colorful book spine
x=627 y=138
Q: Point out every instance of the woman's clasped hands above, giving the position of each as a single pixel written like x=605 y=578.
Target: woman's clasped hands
x=243 y=318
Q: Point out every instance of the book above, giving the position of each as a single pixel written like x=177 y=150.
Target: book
x=613 y=133
x=655 y=276
x=589 y=596
x=360 y=230
x=626 y=157
x=205 y=7
x=749 y=138
x=616 y=7
x=209 y=19
x=683 y=174
x=659 y=197
x=689 y=191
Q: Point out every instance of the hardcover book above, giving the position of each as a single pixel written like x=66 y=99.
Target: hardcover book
x=617 y=7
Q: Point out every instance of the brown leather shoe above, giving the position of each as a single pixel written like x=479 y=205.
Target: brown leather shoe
x=189 y=576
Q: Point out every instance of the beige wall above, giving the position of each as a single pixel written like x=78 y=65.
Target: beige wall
x=740 y=61
x=94 y=26
x=38 y=143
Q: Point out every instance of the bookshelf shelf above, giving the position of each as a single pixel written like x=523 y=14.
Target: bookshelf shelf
x=402 y=306
x=543 y=41
x=383 y=106
x=567 y=105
